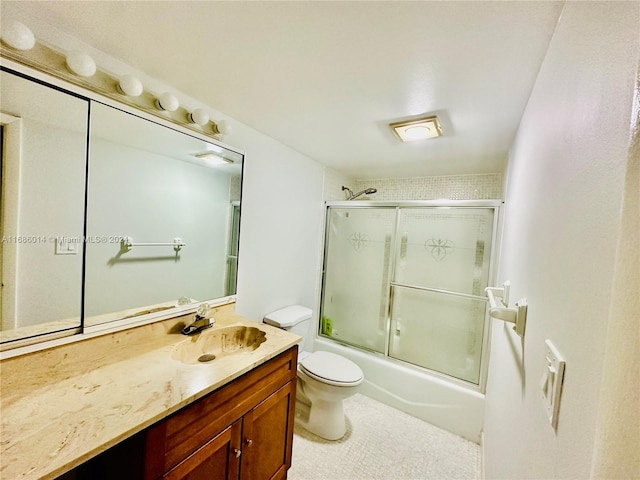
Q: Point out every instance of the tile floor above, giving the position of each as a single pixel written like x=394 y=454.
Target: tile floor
x=384 y=443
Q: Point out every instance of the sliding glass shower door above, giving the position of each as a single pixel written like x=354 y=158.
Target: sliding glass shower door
x=438 y=302
x=356 y=276
x=408 y=282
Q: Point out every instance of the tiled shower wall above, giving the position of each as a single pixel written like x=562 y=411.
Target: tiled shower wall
x=450 y=187
x=235 y=187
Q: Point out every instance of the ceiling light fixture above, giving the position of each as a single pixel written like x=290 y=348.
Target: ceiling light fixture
x=420 y=129
x=213 y=158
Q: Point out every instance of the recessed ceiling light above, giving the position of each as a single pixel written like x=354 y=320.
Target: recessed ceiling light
x=419 y=129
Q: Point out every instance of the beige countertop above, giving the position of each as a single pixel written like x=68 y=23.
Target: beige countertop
x=62 y=406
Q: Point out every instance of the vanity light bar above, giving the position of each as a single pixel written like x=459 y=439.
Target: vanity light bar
x=80 y=69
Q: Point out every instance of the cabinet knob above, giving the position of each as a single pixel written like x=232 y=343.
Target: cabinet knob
x=249 y=442
x=237 y=452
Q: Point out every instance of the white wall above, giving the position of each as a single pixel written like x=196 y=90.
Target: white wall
x=51 y=206
x=562 y=228
x=333 y=183
x=617 y=452
x=280 y=229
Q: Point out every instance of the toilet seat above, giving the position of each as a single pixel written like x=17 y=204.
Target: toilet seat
x=332 y=369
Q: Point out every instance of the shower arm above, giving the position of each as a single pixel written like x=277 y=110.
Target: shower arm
x=501 y=311
x=353 y=196
x=349 y=192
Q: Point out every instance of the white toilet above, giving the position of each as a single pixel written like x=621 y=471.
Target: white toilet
x=324 y=378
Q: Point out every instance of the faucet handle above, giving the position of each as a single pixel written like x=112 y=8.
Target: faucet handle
x=203 y=310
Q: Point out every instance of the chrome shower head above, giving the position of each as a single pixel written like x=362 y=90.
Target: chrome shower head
x=366 y=191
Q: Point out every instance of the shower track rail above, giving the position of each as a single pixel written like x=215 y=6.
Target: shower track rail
x=438 y=290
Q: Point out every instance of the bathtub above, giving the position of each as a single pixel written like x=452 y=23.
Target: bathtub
x=436 y=400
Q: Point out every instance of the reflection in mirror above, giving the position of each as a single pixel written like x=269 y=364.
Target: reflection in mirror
x=44 y=133
x=161 y=227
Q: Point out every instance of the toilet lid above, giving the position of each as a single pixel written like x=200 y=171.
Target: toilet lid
x=333 y=368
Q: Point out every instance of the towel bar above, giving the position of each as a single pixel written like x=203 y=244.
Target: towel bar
x=127 y=244
x=501 y=311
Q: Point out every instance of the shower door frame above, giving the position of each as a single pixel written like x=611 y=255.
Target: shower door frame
x=493 y=268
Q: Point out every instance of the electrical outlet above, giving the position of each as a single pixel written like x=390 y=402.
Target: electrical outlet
x=551 y=383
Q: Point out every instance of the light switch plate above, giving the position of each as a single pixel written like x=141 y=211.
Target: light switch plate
x=66 y=248
x=551 y=383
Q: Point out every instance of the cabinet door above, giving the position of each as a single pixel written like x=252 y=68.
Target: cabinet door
x=268 y=436
x=218 y=459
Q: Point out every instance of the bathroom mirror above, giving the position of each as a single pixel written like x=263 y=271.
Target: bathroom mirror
x=162 y=212
x=44 y=155
x=161 y=223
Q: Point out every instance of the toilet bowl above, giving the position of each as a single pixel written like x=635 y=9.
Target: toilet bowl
x=325 y=379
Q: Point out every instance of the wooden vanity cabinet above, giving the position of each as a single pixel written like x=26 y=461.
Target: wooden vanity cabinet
x=243 y=430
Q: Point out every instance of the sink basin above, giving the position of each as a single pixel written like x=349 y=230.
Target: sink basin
x=216 y=343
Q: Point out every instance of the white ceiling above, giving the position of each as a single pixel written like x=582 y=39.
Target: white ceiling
x=326 y=78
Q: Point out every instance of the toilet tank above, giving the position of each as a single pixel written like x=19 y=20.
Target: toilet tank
x=295 y=319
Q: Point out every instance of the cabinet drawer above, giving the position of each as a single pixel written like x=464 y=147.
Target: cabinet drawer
x=178 y=436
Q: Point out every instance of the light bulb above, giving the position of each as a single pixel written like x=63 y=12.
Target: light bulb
x=81 y=64
x=130 y=85
x=223 y=127
x=199 y=117
x=168 y=102
x=17 y=35
x=417 y=132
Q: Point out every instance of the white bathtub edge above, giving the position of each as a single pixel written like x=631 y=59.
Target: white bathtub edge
x=444 y=404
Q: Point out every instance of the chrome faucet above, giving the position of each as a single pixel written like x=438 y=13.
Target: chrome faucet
x=200 y=321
